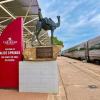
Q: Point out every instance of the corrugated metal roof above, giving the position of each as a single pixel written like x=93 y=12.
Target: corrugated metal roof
x=28 y=9
x=20 y=7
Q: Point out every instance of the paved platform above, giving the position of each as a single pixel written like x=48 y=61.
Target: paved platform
x=13 y=94
x=78 y=81
x=10 y=94
x=81 y=80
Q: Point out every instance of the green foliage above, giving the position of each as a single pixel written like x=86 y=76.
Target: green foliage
x=57 y=42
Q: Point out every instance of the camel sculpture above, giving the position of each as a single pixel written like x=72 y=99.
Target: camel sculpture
x=46 y=24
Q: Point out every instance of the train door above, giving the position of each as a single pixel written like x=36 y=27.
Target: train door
x=86 y=45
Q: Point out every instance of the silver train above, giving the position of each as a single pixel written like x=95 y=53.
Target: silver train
x=89 y=50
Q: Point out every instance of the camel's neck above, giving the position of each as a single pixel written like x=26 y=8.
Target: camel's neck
x=58 y=24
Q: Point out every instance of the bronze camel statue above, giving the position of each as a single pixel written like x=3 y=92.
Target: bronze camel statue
x=46 y=24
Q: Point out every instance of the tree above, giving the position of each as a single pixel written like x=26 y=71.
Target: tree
x=57 y=42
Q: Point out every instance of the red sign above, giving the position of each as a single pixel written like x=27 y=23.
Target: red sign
x=11 y=47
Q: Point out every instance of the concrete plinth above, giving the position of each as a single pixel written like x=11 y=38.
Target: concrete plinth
x=38 y=77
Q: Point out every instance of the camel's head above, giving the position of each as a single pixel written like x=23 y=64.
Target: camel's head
x=58 y=24
x=58 y=17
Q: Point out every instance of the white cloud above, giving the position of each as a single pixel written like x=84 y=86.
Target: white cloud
x=95 y=19
x=90 y=19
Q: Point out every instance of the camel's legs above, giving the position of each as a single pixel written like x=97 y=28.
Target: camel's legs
x=37 y=34
x=38 y=40
x=52 y=31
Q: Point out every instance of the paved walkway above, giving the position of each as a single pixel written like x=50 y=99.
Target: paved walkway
x=78 y=81
x=81 y=80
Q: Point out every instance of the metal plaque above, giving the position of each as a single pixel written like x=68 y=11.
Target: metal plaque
x=44 y=52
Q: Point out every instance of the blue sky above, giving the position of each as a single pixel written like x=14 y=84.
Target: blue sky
x=80 y=19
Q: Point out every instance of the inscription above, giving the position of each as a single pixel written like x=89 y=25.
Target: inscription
x=44 y=52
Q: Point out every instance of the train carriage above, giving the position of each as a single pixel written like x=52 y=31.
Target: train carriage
x=89 y=50
x=94 y=49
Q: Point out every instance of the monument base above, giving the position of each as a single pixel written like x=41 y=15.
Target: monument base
x=38 y=77
x=41 y=53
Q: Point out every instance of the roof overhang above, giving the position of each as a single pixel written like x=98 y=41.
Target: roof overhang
x=11 y=9
x=28 y=9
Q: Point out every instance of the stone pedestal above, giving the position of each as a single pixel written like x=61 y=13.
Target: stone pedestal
x=38 y=77
x=41 y=53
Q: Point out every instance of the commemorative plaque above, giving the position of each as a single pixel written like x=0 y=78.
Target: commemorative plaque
x=44 y=52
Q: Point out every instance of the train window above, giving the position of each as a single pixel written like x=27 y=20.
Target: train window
x=96 y=46
x=80 y=48
x=72 y=49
